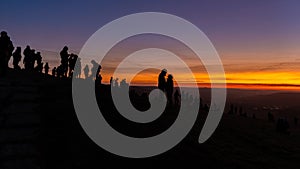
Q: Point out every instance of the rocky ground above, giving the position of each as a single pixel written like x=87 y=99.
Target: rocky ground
x=39 y=129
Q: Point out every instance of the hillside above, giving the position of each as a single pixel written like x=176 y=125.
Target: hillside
x=39 y=129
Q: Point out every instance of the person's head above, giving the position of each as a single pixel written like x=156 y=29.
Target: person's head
x=65 y=48
x=170 y=77
x=164 y=72
x=18 y=49
x=3 y=34
x=94 y=62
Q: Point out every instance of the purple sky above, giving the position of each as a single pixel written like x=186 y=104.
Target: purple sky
x=243 y=31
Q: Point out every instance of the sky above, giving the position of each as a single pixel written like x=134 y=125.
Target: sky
x=257 y=40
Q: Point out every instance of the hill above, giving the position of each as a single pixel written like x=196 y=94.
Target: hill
x=39 y=129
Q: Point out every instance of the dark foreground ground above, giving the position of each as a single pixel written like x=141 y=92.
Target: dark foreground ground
x=39 y=129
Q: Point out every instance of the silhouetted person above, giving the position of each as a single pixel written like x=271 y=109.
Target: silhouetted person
x=72 y=62
x=99 y=79
x=59 y=71
x=111 y=81
x=170 y=88
x=86 y=71
x=94 y=69
x=46 y=68
x=123 y=84
x=26 y=59
x=98 y=76
x=29 y=58
x=162 y=80
x=54 y=72
x=98 y=69
x=6 y=49
x=17 y=58
x=77 y=72
x=116 y=82
x=64 y=55
x=38 y=58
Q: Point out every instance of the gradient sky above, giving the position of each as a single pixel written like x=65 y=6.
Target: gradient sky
x=258 y=41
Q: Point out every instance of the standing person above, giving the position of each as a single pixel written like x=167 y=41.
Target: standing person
x=162 y=80
x=72 y=63
x=110 y=81
x=54 y=72
x=95 y=70
x=17 y=58
x=116 y=82
x=170 y=88
x=26 y=58
x=77 y=71
x=64 y=55
x=98 y=76
x=38 y=58
x=86 y=71
x=6 y=49
x=59 y=71
x=46 y=68
x=31 y=59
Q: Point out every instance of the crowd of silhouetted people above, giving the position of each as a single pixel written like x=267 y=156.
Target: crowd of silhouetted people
x=67 y=65
x=282 y=124
x=32 y=60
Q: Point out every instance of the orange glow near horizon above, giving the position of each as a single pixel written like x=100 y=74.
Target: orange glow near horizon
x=249 y=80
x=244 y=68
x=266 y=68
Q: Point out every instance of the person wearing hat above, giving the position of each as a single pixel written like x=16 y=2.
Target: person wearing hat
x=6 y=49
